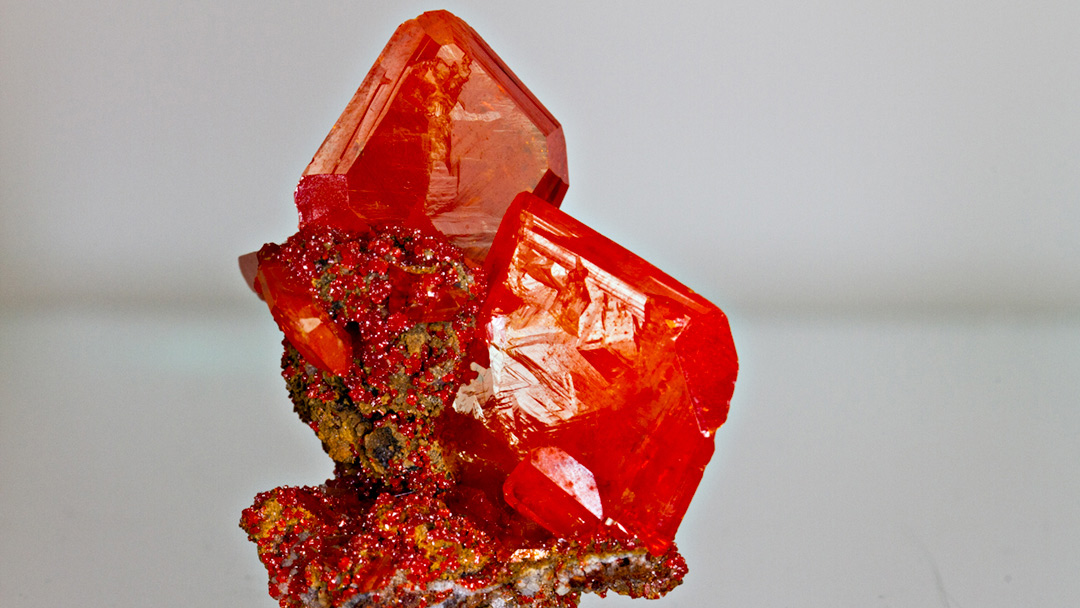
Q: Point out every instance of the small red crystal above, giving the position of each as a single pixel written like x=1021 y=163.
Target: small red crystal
x=300 y=316
x=596 y=352
x=441 y=126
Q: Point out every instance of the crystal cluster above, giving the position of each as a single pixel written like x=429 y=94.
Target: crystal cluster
x=519 y=410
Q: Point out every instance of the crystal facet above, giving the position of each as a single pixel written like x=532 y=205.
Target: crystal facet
x=442 y=126
x=303 y=320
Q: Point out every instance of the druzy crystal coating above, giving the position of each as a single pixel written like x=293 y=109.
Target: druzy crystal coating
x=519 y=410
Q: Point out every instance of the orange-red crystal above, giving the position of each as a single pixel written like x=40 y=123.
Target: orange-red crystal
x=302 y=319
x=441 y=126
x=595 y=352
x=553 y=489
x=486 y=371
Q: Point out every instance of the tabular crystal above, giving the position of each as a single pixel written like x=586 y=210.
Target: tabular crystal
x=442 y=128
x=596 y=353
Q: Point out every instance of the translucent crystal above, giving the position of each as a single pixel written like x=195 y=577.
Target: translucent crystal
x=442 y=128
x=596 y=353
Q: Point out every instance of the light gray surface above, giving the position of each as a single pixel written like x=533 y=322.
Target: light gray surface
x=903 y=462
x=900 y=169
x=824 y=154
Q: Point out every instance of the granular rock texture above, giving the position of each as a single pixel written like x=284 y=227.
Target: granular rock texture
x=346 y=544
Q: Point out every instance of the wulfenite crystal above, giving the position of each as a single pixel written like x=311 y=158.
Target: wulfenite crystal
x=440 y=127
x=518 y=409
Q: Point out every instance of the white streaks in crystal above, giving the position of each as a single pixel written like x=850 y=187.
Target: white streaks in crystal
x=609 y=324
x=472 y=396
x=543 y=367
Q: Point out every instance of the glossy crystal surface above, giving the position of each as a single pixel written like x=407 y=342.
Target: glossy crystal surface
x=304 y=321
x=440 y=127
x=595 y=352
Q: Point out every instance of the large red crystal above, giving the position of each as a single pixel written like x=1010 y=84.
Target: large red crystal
x=442 y=127
x=595 y=353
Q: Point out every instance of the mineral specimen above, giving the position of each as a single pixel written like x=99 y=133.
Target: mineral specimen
x=440 y=128
x=519 y=410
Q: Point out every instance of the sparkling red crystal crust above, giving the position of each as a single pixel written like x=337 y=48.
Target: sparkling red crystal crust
x=515 y=418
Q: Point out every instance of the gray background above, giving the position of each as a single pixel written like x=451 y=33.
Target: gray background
x=885 y=198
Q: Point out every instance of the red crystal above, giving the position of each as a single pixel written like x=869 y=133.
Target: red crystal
x=305 y=323
x=556 y=491
x=440 y=126
x=595 y=352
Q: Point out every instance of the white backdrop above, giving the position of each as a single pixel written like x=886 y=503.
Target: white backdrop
x=885 y=198
x=826 y=154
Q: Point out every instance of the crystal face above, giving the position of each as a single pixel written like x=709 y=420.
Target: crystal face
x=596 y=353
x=553 y=489
x=441 y=127
x=518 y=409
